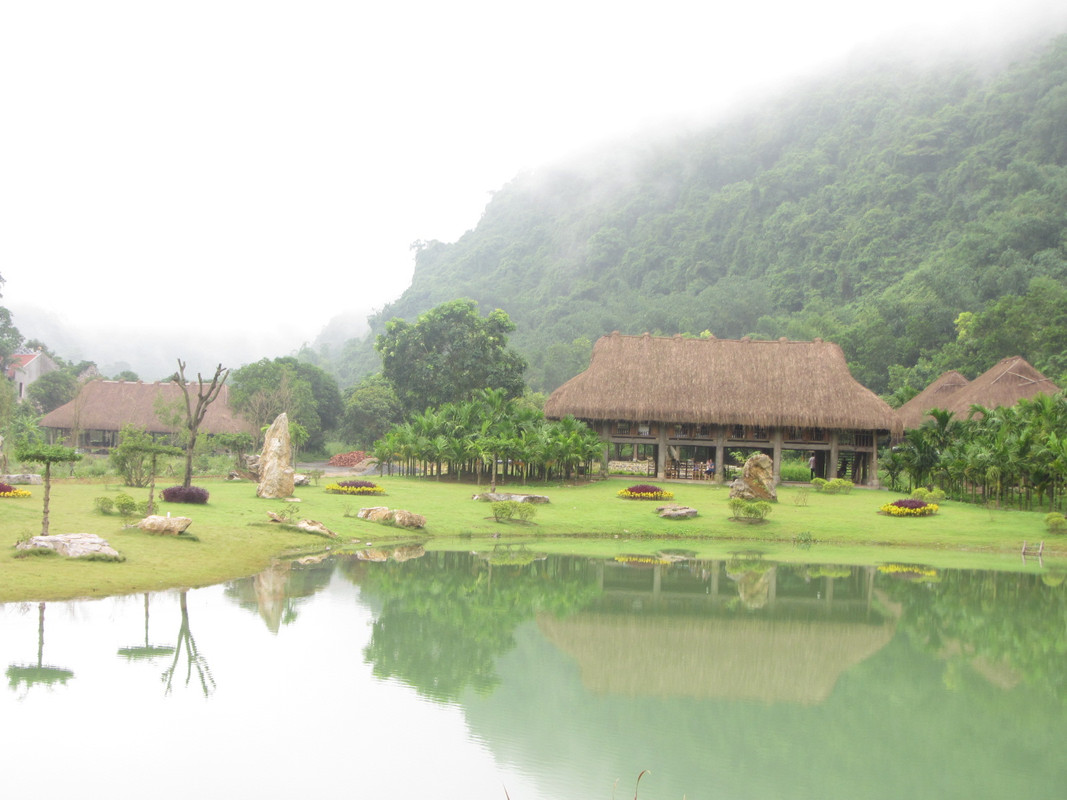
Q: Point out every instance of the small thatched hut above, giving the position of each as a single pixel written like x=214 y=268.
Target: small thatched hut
x=678 y=395
x=1012 y=379
x=937 y=395
x=103 y=408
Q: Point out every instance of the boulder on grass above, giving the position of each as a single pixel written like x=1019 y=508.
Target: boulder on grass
x=398 y=517
x=72 y=545
x=757 y=480
x=170 y=526
x=496 y=497
x=675 y=511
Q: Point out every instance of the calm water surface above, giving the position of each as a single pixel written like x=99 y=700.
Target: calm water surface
x=464 y=676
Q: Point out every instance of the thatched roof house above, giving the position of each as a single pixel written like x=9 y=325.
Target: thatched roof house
x=914 y=412
x=103 y=408
x=1012 y=379
x=737 y=393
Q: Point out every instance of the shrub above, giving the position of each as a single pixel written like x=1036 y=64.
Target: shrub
x=503 y=510
x=105 y=505
x=819 y=484
x=183 y=494
x=125 y=504
x=354 y=487
x=7 y=490
x=839 y=486
x=645 y=491
x=1056 y=522
x=749 y=509
x=909 y=507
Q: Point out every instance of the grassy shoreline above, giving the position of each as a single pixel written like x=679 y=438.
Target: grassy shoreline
x=234 y=537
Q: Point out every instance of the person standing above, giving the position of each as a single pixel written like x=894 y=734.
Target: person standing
x=811 y=466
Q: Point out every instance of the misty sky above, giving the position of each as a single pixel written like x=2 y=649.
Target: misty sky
x=250 y=162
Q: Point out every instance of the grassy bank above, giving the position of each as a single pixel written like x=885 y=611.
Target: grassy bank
x=235 y=538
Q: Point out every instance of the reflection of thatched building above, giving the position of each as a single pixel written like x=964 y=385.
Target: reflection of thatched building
x=684 y=642
x=1012 y=379
x=675 y=394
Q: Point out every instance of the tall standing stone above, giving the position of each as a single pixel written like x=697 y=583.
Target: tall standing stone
x=275 y=462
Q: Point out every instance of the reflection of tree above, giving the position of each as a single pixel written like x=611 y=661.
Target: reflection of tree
x=192 y=655
x=276 y=592
x=37 y=673
x=991 y=620
x=147 y=651
x=446 y=618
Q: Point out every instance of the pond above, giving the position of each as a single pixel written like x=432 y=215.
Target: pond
x=510 y=674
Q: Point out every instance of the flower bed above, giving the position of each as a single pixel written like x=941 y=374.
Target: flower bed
x=645 y=491
x=6 y=490
x=354 y=487
x=910 y=507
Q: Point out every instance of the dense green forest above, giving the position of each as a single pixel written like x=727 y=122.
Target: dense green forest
x=915 y=215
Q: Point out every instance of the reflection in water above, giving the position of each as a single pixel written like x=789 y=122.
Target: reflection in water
x=736 y=678
x=194 y=659
x=37 y=673
x=146 y=651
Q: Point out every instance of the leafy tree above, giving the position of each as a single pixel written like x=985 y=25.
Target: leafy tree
x=371 y=409
x=448 y=355
x=52 y=390
x=46 y=455
x=308 y=395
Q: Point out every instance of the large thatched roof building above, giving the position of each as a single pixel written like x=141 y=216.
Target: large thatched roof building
x=1012 y=379
x=684 y=396
x=103 y=408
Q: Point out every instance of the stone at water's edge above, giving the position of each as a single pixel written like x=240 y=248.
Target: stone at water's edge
x=72 y=545
x=276 y=473
x=757 y=480
x=171 y=526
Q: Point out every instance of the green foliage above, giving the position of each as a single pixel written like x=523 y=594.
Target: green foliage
x=129 y=458
x=47 y=454
x=1056 y=522
x=506 y=510
x=304 y=392
x=125 y=505
x=834 y=486
x=754 y=510
x=52 y=390
x=371 y=408
x=105 y=505
x=448 y=355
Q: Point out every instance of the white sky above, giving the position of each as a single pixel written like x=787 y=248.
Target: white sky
x=236 y=162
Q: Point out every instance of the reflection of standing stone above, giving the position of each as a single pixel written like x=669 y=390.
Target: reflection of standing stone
x=275 y=462
x=757 y=479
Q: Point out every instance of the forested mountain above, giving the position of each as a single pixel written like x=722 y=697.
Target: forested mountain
x=872 y=210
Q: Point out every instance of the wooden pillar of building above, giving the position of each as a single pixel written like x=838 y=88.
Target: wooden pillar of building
x=661 y=451
x=776 y=440
x=720 y=454
x=874 y=483
x=831 y=470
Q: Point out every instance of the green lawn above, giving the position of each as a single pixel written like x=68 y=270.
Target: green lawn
x=235 y=537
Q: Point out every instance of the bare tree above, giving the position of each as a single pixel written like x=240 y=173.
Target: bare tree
x=207 y=393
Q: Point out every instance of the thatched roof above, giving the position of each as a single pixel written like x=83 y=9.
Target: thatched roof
x=743 y=658
x=723 y=381
x=937 y=395
x=109 y=405
x=1011 y=380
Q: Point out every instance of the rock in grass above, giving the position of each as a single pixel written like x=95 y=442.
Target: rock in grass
x=72 y=545
x=169 y=526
